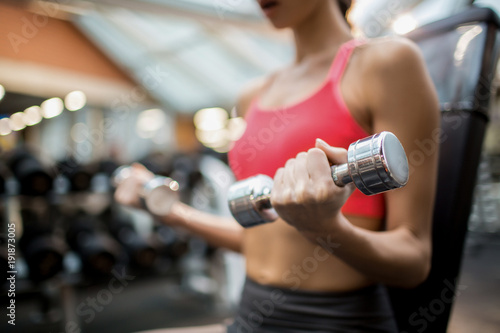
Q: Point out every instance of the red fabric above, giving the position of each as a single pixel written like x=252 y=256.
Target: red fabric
x=274 y=136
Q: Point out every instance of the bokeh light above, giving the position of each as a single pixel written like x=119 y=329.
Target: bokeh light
x=32 y=115
x=5 y=126
x=210 y=119
x=16 y=122
x=404 y=24
x=149 y=122
x=215 y=130
x=236 y=127
x=52 y=107
x=213 y=139
x=75 y=100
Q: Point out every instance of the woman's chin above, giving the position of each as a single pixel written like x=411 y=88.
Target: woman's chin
x=280 y=24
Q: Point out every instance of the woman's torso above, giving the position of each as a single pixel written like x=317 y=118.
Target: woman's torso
x=276 y=253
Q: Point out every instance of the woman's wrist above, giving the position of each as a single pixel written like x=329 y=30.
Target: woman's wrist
x=179 y=214
x=334 y=231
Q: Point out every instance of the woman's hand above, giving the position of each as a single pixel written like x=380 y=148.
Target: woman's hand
x=304 y=194
x=129 y=191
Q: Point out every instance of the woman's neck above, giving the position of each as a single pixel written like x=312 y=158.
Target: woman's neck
x=322 y=32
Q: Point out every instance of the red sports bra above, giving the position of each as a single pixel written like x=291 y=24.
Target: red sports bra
x=274 y=136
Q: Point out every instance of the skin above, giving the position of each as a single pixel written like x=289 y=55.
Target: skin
x=313 y=246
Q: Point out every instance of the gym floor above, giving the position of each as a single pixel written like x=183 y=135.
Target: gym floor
x=147 y=303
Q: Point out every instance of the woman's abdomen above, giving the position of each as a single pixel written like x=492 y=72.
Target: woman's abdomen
x=278 y=255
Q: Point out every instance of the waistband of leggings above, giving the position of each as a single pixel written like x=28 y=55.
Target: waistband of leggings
x=254 y=286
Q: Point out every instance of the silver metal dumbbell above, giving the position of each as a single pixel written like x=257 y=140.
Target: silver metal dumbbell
x=374 y=164
x=157 y=195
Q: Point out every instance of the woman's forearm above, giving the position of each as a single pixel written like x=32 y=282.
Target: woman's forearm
x=218 y=231
x=397 y=257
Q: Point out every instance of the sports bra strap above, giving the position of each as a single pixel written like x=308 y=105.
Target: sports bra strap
x=342 y=59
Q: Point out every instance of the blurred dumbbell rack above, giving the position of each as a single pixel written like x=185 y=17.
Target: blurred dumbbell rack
x=184 y=279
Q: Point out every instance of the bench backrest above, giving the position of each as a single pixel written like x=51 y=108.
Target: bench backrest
x=461 y=53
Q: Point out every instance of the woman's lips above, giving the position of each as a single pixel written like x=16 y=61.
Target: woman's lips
x=268 y=6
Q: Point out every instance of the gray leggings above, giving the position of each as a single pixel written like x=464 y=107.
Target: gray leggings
x=270 y=309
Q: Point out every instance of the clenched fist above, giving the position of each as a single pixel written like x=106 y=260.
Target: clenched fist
x=129 y=190
x=304 y=194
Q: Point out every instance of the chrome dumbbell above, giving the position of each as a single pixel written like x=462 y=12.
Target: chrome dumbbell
x=157 y=195
x=374 y=164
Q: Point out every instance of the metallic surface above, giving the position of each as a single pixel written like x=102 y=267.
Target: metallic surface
x=375 y=164
x=157 y=195
x=249 y=201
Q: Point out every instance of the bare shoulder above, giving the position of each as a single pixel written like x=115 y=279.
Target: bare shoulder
x=395 y=77
x=390 y=55
x=248 y=93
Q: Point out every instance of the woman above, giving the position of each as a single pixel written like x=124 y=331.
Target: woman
x=321 y=265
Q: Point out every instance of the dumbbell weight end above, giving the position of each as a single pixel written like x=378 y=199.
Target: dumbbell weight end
x=250 y=201
x=375 y=164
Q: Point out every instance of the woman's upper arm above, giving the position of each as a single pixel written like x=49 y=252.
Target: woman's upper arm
x=402 y=99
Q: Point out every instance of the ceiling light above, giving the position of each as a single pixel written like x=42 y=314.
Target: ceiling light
x=5 y=127
x=404 y=24
x=149 y=122
x=75 y=100
x=52 y=107
x=210 y=119
x=32 y=115
x=16 y=122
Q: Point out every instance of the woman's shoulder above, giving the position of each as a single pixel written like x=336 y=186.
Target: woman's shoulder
x=390 y=52
x=393 y=70
x=394 y=42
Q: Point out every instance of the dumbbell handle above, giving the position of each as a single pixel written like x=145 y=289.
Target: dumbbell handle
x=340 y=174
x=374 y=164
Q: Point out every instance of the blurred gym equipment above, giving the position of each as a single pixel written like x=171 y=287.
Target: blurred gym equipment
x=2 y=184
x=33 y=178
x=461 y=53
x=97 y=250
x=158 y=194
x=79 y=177
x=169 y=243
x=141 y=254
x=42 y=249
